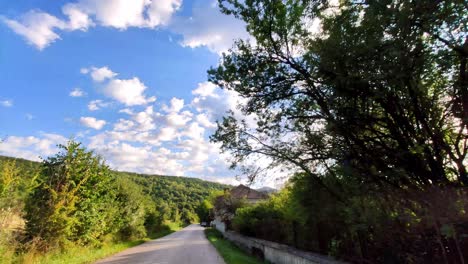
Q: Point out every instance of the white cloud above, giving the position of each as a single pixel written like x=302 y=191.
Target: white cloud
x=31 y=147
x=210 y=28
x=29 y=116
x=78 y=19
x=178 y=120
x=36 y=27
x=123 y=125
x=99 y=74
x=127 y=111
x=194 y=131
x=97 y=104
x=175 y=106
x=214 y=101
x=116 y=13
x=41 y=29
x=160 y=12
x=145 y=119
x=126 y=157
x=128 y=92
x=6 y=103
x=92 y=122
x=77 y=92
x=205 y=89
x=167 y=134
x=203 y=120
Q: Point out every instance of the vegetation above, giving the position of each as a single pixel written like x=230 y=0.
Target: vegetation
x=370 y=113
x=205 y=209
x=72 y=202
x=230 y=252
x=177 y=198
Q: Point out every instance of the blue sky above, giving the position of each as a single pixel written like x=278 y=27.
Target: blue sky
x=125 y=77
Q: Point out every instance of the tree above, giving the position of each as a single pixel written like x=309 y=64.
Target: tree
x=370 y=107
x=205 y=208
x=71 y=202
x=380 y=90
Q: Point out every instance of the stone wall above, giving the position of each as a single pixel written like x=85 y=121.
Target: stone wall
x=277 y=253
x=218 y=224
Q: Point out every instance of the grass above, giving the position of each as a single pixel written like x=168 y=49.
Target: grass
x=230 y=252
x=81 y=255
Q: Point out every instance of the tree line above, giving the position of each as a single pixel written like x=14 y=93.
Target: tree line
x=74 y=199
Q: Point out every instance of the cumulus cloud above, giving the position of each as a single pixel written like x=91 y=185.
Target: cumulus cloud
x=175 y=106
x=6 y=103
x=215 y=102
x=170 y=138
x=99 y=74
x=97 y=104
x=205 y=121
x=78 y=18
x=123 y=125
x=175 y=134
x=36 y=27
x=92 y=122
x=127 y=91
x=127 y=157
x=31 y=147
x=77 y=92
x=208 y=27
x=41 y=29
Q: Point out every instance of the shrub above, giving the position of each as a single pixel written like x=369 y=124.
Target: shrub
x=71 y=202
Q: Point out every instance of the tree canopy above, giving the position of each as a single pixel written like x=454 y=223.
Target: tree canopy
x=377 y=88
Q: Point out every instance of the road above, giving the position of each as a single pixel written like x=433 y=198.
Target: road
x=187 y=246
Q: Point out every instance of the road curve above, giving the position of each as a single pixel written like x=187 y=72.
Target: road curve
x=187 y=246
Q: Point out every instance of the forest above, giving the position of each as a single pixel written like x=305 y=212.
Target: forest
x=73 y=200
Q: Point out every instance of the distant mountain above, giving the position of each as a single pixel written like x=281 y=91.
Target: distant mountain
x=267 y=190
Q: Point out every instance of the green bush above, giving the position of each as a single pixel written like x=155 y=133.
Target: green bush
x=71 y=202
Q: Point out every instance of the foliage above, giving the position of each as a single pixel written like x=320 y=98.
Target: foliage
x=176 y=198
x=370 y=226
x=72 y=200
x=230 y=252
x=205 y=208
x=382 y=89
x=135 y=212
x=370 y=109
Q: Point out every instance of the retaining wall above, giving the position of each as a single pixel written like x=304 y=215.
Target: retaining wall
x=277 y=253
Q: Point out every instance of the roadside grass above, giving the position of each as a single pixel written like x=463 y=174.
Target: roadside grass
x=81 y=254
x=229 y=251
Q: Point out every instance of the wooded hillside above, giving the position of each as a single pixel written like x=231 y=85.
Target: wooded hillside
x=73 y=199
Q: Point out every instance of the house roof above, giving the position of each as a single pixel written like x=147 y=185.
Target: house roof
x=243 y=191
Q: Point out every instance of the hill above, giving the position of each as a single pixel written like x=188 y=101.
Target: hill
x=176 y=197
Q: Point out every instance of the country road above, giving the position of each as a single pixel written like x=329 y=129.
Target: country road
x=187 y=246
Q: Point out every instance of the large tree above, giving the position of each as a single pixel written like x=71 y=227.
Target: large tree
x=378 y=88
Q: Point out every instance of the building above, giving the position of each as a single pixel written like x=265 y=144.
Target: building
x=226 y=205
x=250 y=195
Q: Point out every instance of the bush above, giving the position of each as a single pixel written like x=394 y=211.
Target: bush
x=71 y=202
x=420 y=226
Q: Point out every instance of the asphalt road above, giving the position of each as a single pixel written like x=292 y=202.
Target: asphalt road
x=187 y=246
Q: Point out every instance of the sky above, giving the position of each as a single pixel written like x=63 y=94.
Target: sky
x=127 y=78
